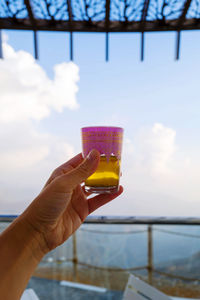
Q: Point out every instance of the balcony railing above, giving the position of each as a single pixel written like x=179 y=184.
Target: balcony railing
x=163 y=251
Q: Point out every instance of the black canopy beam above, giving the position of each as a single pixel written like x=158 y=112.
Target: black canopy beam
x=145 y=11
x=143 y=21
x=30 y=13
x=107 y=26
x=142 y=47
x=184 y=13
x=69 y=8
x=178 y=42
x=96 y=26
x=34 y=25
x=35 y=44
x=179 y=25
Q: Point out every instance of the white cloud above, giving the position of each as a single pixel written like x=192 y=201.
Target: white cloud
x=28 y=93
x=28 y=155
x=27 y=159
x=156 y=147
x=158 y=177
x=23 y=147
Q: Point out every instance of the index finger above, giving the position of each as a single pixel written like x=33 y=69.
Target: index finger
x=66 y=167
x=73 y=162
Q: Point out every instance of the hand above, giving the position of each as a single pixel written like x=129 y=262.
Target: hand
x=63 y=204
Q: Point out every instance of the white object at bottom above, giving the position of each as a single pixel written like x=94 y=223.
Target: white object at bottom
x=137 y=289
x=29 y=294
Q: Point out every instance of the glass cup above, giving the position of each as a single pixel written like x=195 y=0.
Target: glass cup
x=108 y=141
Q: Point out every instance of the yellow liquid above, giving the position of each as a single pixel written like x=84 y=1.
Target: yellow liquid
x=107 y=173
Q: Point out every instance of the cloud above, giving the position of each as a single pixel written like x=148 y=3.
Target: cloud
x=156 y=148
x=27 y=92
x=25 y=167
x=150 y=153
x=28 y=154
x=26 y=161
x=23 y=147
x=159 y=178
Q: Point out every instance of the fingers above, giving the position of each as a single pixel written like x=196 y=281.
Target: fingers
x=58 y=172
x=74 y=162
x=83 y=171
x=69 y=165
x=66 y=167
x=98 y=201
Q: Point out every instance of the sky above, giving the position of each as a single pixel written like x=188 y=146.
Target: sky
x=44 y=104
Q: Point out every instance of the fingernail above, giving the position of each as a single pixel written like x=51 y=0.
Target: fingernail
x=92 y=155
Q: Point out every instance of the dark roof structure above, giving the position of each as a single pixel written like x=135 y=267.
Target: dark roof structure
x=101 y=16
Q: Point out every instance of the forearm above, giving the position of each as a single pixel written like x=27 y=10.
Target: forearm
x=20 y=253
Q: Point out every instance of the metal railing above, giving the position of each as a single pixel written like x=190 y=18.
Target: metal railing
x=129 y=220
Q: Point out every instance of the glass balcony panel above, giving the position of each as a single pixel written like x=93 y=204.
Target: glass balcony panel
x=95 y=263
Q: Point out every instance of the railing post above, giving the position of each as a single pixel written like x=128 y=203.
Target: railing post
x=75 y=258
x=150 y=255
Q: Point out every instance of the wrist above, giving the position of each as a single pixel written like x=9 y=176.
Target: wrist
x=21 y=234
x=20 y=253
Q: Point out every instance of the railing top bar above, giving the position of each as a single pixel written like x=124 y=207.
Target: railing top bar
x=129 y=220
x=143 y=220
x=7 y=218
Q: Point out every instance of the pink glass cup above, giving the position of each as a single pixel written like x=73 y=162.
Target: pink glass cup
x=108 y=141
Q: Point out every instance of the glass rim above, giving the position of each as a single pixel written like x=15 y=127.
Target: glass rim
x=103 y=127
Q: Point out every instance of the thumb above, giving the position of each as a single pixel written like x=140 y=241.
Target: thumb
x=83 y=171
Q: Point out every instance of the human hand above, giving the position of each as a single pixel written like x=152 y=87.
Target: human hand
x=63 y=204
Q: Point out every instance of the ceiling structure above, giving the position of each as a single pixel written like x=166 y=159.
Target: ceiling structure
x=100 y=16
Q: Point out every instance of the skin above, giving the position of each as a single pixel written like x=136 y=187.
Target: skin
x=53 y=216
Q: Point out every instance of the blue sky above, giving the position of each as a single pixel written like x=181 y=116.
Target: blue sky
x=137 y=92
x=137 y=96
